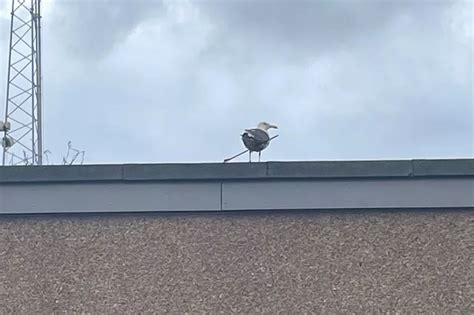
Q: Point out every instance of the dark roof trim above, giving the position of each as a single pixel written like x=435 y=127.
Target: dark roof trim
x=232 y=171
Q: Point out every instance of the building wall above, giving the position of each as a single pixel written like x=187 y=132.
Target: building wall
x=267 y=262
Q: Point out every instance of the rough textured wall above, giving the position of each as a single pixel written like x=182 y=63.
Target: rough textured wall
x=239 y=263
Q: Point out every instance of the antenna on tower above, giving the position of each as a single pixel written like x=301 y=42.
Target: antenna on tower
x=22 y=139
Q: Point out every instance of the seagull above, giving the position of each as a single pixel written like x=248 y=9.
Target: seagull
x=257 y=139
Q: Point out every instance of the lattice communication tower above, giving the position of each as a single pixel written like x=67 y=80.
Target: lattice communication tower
x=22 y=140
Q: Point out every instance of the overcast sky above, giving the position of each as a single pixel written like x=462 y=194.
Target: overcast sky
x=178 y=81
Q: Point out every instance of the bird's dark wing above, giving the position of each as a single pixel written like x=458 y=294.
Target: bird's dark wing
x=258 y=135
x=255 y=139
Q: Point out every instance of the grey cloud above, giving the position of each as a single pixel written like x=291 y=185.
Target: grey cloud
x=92 y=29
x=4 y=25
x=4 y=38
x=317 y=26
x=364 y=80
x=394 y=93
x=5 y=9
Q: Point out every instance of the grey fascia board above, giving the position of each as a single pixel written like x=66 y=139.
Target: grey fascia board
x=90 y=197
x=366 y=193
x=446 y=167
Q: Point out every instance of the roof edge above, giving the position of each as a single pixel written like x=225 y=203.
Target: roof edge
x=239 y=171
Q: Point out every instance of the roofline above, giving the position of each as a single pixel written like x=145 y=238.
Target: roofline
x=416 y=168
x=401 y=184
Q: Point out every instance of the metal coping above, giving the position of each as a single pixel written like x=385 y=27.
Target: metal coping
x=240 y=171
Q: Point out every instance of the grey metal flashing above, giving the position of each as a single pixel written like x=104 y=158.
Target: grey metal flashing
x=340 y=169
x=205 y=171
x=60 y=173
x=239 y=171
x=458 y=167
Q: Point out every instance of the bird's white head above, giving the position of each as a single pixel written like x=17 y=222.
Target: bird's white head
x=265 y=126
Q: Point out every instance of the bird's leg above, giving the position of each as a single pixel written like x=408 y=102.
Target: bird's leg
x=259 y=154
x=250 y=156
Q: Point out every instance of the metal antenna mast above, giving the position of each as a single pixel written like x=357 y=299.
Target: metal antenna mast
x=22 y=131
